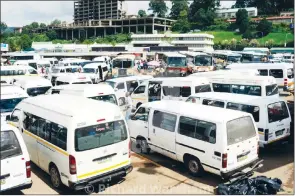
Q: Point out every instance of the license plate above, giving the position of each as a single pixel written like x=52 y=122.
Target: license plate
x=2 y=181
x=242 y=158
x=278 y=133
x=104 y=160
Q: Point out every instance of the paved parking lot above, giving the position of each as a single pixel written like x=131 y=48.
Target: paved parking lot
x=157 y=174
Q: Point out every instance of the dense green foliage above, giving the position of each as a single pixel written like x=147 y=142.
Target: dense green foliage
x=159 y=7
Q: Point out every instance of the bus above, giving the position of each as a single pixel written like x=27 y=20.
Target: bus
x=253 y=57
x=226 y=57
x=282 y=50
x=24 y=56
x=175 y=64
x=201 y=61
x=123 y=65
x=257 y=50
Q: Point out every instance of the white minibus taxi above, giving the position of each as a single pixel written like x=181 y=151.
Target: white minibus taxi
x=282 y=72
x=251 y=85
x=74 y=139
x=168 y=88
x=271 y=114
x=225 y=72
x=97 y=71
x=10 y=72
x=213 y=139
x=33 y=86
x=74 y=78
x=60 y=71
x=10 y=96
x=15 y=160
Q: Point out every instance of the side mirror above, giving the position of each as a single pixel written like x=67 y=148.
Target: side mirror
x=8 y=118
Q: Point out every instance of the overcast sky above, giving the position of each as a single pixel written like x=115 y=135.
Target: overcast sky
x=20 y=13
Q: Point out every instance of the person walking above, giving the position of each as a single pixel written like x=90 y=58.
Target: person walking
x=129 y=105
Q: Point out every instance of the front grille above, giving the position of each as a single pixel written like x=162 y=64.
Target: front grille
x=122 y=72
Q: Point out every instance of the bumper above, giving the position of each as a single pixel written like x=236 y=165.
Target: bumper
x=106 y=177
x=19 y=187
x=226 y=175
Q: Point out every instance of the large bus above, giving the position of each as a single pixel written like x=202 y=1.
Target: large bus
x=282 y=50
x=123 y=65
x=257 y=50
x=226 y=57
x=253 y=57
x=199 y=60
x=175 y=63
x=24 y=56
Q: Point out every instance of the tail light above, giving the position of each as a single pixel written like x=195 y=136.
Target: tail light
x=285 y=82
x=28 y=169
x=129 y=148
x=224 y=160
x=72 y=165
x=266 y=132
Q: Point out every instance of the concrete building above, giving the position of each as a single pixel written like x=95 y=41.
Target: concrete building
x=196 y=42
x=231 y=13
x=287 y=13
x=274 y=19
x=85 y=10
x=101 y=28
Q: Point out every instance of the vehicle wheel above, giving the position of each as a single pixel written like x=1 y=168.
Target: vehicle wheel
x=194 y=166
x=55 y=177
x=144 y=147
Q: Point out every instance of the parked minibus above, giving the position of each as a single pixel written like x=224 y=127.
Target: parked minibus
x=33 y=86
x=97 y=71
x=74 y=139
x=204 y=138
x=10 y=96
x=40 y=65
x=226 y=72
x=60 y=71
x=75 y=78
x=282 y=72
x=8 y=73
x=123 y=65
x=271 y=114
x=250 y=85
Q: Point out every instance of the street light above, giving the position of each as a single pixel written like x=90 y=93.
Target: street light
x=286 y=39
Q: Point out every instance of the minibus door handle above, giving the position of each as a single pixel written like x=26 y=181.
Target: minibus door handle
x=154 y=130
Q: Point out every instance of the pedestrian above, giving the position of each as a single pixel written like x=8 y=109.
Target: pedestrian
x=129 y=105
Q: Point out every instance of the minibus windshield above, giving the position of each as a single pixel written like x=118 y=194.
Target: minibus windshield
x=106 y=98
x=37 y=90
x=9 y=145
x=277 y=112
x=7 y=105
x=100 y=135
x=89 y=70
x=239 y=130
x=112 y=84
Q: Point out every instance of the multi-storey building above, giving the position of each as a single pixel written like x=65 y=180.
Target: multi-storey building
x=231 y=13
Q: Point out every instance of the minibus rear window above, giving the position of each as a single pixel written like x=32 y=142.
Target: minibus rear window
x=38 y=90
x=272 y=90
x=9 y=145
x=177 y=91
x=100 y=135
x=290 y=73
x=106 y=98
x=277 y=111
x=240 y=129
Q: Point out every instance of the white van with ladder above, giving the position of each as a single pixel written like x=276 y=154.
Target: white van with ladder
x=271 y=114
x=204 y=138
x=74 y=139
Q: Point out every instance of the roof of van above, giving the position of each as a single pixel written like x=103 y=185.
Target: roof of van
x=19 y=67
x=64 y=67
x=266 y=65
x=222 y=72
x=33 y=81
x=12 y=90
x=238 y=98
x=94 y=65
x=73 y=76
x=195 y=110
x=128 y=78
x=243 y=79
x=94 y=89
x=74 y=106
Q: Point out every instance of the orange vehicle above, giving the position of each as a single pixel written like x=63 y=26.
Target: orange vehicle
x=175 y=64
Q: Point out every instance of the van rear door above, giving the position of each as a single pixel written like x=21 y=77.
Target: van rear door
x=242 y=142
x=101 y=148
x=13 y=162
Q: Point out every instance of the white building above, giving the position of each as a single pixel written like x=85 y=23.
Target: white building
x=231 y=13
x=199 y=42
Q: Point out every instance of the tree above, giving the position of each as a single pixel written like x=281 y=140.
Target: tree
x=26 y=41
x=3 y=27
x=35 y=25
x=177 y=7
x=42 y=25
x=248 y=35
x=159 y=7
x=55 y=22
x=141 y=13
x=264 y=26
x=202 y=18
x=242 y=20
x=40 y=37
x=202 y=4
x=51 y=34
x=241 y=3
x=182 y=25
x=254 y=43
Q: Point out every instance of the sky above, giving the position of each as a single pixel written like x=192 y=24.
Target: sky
x=20 y=13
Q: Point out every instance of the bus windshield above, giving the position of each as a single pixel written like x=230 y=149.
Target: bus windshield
x=176 y=61
x=125 y=64
x=7 y=105
x=203 y=60
x=234 y=59
x=100 y=135
x=106 y=98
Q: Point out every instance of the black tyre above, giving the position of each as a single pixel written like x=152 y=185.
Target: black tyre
x=194 y=166
x=144 y=147
x=55 y=177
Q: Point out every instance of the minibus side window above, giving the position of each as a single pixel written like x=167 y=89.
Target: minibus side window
x=276 y=73
x=58 y=135
x=246 y=90
x=142 y=114
x=192 y=99
x=203 y=88
x=31 y=71
x=185 y=91
x=171 y=91
x=187 y=126
x=272 y=90
x=120 y=86
x=164 y=120
x=254 y=110
x=139 y=90
x=131 y=85
x=215 y=103
x=263 y=72
x=221 y=88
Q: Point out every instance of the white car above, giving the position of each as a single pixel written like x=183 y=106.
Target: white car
x=15 y=160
